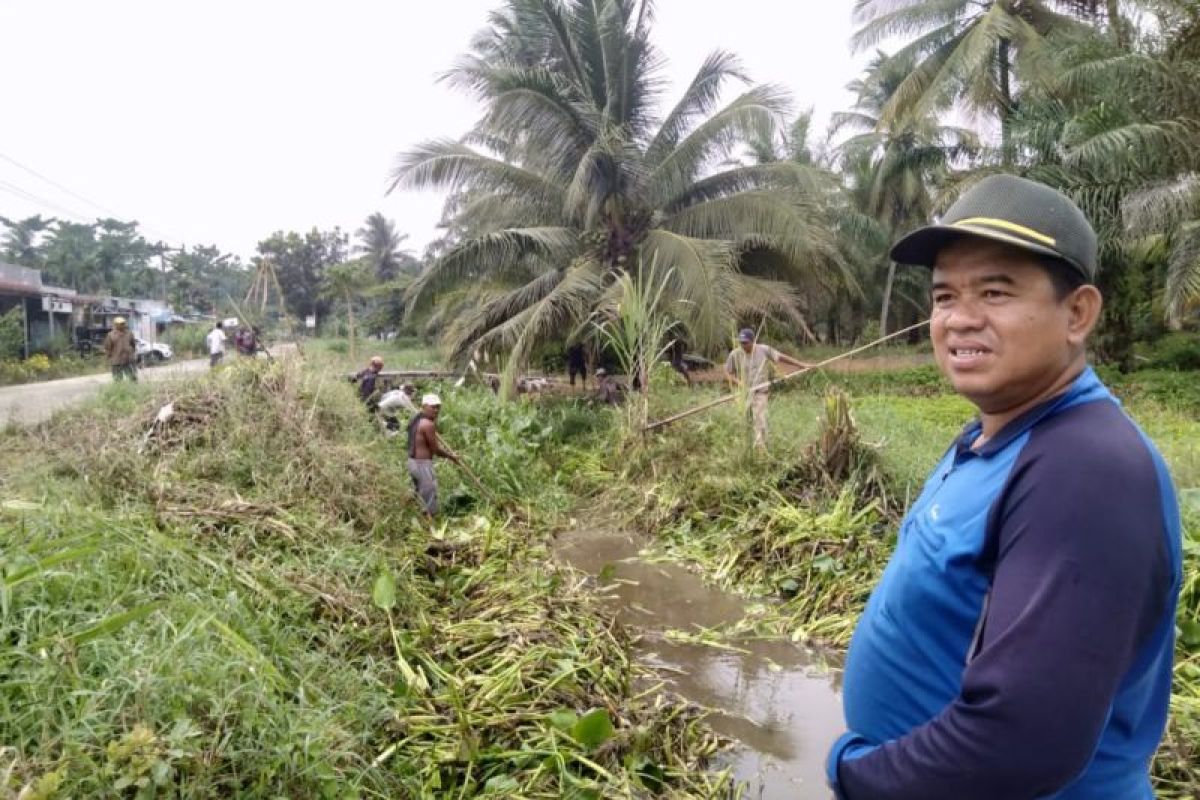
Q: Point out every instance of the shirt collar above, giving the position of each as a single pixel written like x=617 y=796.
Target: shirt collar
x=1084 y=389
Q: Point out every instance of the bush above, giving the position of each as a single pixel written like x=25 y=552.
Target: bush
x=12 y=334
x=1179 y=351
x=187 y=340
x=255 y=573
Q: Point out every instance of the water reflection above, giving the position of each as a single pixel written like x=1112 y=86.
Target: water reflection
x=772 y=697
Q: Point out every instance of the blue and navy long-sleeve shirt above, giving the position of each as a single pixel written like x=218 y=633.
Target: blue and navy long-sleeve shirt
x=1019 y=644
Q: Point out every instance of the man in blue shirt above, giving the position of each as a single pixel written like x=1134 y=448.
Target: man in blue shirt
x=1019 y=644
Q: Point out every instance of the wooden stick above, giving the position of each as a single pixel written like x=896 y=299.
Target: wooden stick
x=729 y=397
x=470 y=474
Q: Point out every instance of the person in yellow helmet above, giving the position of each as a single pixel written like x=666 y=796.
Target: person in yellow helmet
x=121 y=351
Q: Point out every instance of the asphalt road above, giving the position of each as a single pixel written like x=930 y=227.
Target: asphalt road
x=31 y=403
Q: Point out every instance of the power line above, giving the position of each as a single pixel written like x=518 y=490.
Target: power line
x=108 y=211
x=25 y=194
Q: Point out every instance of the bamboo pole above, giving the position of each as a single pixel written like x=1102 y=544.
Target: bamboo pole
x=729 y=397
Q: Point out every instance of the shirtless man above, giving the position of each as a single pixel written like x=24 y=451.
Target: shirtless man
x=423 y=445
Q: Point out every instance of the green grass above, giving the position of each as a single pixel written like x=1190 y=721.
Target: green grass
x=207 y=612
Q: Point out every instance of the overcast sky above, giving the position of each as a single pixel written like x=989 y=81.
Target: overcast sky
x=219 y=122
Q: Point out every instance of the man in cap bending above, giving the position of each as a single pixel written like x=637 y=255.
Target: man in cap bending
x=747 y=366
x=423 y=445
x=367 y=380
x=1019 y=644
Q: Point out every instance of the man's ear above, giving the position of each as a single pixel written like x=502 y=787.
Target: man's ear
x=1084 y=306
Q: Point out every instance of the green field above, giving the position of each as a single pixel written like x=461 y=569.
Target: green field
x=246 y=603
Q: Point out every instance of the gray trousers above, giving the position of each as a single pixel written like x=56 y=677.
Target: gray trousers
x=425 y=482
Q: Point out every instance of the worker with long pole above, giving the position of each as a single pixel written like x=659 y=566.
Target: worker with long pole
x=423 y=446
x=728 y=398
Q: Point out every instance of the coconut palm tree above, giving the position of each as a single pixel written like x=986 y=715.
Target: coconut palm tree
x=1117 y=130
x=382 y=246
x=893 y=168
x=966 y=51
x=347 y=282
x=572 y=178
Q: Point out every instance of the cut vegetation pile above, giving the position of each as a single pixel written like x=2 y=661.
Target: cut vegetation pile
x=240 y=605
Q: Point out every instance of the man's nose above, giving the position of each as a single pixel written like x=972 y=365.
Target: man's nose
x=965 y=314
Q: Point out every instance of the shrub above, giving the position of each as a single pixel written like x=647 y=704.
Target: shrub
x=12 y=334
x=1179 y=351
x=187 y=340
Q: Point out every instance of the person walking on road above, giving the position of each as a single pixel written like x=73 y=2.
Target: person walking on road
x=120 y=349
x=1019 y=644
x=216 y=344
x=423 y=446
x=747 y=367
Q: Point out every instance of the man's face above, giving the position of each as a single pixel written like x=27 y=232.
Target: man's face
x=431 y=411
x=1000 y=335
x=747 y=346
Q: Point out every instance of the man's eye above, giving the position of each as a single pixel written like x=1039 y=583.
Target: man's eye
x=941 y=299
x=994 y=294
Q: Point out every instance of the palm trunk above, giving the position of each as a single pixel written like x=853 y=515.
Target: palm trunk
x=1117 y=24
x=350 y=318
x=887 y=298
x=1006 y=106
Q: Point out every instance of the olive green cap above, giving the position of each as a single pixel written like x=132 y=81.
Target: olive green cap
x=1017 y=211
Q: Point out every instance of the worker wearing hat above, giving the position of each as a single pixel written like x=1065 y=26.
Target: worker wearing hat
x=367 y=380
x=747 y=366
x=1020 y=641
x=120 y=349
x=423 y=445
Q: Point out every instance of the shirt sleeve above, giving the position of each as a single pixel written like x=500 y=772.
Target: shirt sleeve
x=1081 y=580
x=730 y=363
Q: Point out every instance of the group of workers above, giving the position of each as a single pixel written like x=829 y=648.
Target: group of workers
x=747 y=365
x=1019 y=644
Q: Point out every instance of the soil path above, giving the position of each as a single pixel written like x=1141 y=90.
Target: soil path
x=31 y=403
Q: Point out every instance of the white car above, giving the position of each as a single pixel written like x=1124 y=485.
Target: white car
x=152 y=352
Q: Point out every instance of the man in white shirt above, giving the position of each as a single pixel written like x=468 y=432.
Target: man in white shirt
x=216 y=344
x=747 y=367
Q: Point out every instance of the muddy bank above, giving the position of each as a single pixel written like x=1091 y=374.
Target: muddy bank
x=779 y=701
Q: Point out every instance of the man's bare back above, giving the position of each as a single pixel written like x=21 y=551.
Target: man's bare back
x=426 y=441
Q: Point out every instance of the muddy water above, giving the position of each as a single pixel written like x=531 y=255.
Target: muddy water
x=771 y=697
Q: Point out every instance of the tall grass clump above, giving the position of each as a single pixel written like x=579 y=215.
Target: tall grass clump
x=237 y=599
x=635 y=330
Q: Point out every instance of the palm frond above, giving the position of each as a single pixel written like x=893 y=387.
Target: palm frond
x=446 y=164
x=700 y=274
x=1181 y=291
x=1160 y=206
x=883 y=21
x=698 y=100
x=492 y=254
x=758 y=108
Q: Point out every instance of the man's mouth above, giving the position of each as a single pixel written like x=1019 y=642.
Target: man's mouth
x=967 y=352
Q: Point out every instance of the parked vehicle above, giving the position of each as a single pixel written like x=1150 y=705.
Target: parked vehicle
x=149 y=353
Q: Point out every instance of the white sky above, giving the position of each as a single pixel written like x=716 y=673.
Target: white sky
x=221 y=121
